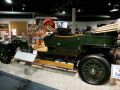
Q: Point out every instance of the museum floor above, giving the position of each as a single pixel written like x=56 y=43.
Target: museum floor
x=57 y=79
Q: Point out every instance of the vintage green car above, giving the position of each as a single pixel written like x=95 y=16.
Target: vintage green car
x=89 y=52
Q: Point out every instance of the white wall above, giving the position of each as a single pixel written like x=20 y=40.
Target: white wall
x=80 y=25
x=7 y=21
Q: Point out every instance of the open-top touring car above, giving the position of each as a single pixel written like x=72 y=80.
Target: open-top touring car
x=89 y=52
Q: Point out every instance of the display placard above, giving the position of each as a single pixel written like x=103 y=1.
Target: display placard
x=115 y=71
x=35 y=52
x=25 y=56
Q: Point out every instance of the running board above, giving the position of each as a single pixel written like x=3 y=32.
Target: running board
x=57 y=64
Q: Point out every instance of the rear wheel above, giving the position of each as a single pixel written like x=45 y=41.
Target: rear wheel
x=94 y=69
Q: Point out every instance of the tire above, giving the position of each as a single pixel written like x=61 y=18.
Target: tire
x=6 y=56
x=94 y=69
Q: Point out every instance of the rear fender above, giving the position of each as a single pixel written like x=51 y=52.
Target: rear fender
x=97 y=50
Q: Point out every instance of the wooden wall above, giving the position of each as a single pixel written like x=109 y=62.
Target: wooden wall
x=20 y=26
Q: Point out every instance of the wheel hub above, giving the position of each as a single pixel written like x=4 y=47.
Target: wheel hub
x=93 y=71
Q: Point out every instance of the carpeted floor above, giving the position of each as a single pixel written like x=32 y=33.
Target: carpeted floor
x=11 y=82
x=16 y=76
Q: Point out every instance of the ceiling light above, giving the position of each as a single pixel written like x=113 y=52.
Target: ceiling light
x=9 y=1
x=58 y=11
x=103 y=16
x=114 y=10
x=63 y=12
x=24 y=5
x=109 y=4
x=79 y=10
x=13 y=12
x=23 y=8
x=117 y=5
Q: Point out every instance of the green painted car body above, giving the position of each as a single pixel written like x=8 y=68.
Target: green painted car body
x=73 y=45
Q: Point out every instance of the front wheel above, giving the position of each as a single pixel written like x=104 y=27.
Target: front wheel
x=6 y=56
x=94 y=69
x=6 y=53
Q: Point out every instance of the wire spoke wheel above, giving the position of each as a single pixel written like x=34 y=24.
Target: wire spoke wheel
x=94 y=69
